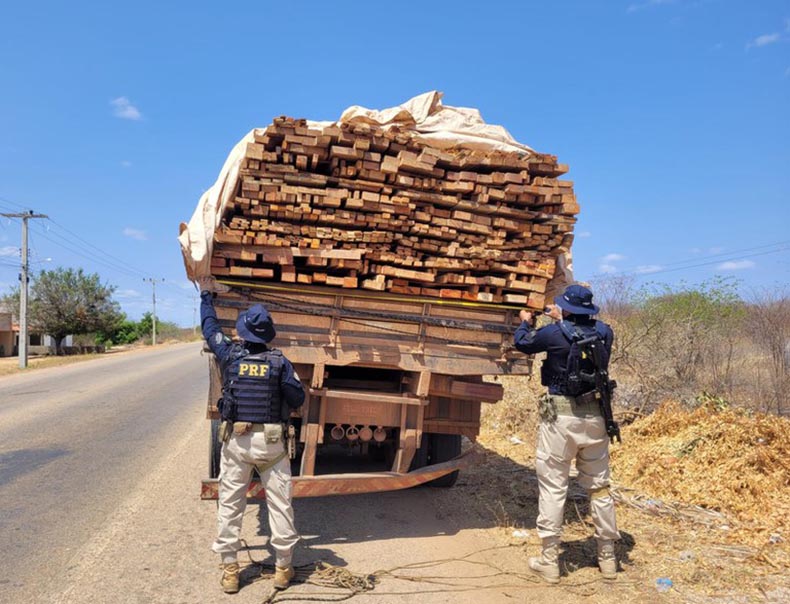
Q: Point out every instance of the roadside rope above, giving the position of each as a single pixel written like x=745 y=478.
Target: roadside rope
x=351 y=584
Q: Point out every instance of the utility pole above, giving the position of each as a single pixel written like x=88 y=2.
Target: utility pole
x=153 y=282
x=23 y=277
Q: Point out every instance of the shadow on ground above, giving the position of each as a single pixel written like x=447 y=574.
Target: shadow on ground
x=495 y=492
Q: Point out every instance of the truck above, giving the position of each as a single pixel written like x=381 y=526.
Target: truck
x=394 y=251
x=389 y=378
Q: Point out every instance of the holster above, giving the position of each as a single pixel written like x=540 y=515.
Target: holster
x=547 y=408
x=285 y=412
x=225 y=428
x=291 y=441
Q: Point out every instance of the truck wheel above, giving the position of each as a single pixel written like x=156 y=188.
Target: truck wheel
x=383 y=453
x=444 y=447
x=214 y=450
x=420 y=459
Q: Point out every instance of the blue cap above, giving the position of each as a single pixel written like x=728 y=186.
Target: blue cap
x=577 y=300
x=256 y=325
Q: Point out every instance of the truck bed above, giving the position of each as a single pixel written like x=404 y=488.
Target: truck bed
x=382 y=371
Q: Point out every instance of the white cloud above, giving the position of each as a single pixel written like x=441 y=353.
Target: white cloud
x=584 y=234
x=612 y=258
x=126 y=163
x=716 y=250
x=735 y=265
x=135 y=234
x=125 y=294
x=648 y=268
x=764 y=40
x=123 y=108
x=9 y=250
x=632 y=8
x=607 y=269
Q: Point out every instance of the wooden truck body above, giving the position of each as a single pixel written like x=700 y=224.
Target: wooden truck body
x=394 y=377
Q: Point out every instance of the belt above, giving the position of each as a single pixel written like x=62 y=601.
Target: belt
x=257 y=427
x=579 y=406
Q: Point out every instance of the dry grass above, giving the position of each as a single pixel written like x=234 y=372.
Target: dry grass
x=735 y=466
x=726 y=460
x=10 y=365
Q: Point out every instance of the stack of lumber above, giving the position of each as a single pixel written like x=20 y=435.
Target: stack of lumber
x=359 y=206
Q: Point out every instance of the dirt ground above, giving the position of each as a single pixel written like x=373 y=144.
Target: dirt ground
x=10 y=365
x=691 y=546
x=467 y=544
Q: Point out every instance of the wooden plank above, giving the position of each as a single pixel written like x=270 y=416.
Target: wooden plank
x=452 y=387
x=367 y=396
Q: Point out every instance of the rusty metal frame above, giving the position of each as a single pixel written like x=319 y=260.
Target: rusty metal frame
x=353 y=484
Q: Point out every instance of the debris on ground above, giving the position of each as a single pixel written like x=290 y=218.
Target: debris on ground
x=700 y=498
x=726 y=461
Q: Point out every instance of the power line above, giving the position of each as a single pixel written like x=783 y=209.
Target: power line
x=16 y=205
x=84 y=248
x=731 y=258
x=65 y=243
x=113 y=262
x=98 y=249
x=23 y=337
x=724 y=255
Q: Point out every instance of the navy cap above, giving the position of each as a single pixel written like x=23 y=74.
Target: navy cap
x=577 y=300
x=256 y=325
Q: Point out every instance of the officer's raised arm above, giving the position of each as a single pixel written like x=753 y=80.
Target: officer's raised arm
x=291 y=386
x=218 y=342
x=527 y=339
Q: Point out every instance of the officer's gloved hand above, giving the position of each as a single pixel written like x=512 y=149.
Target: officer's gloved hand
x=525 y=315
x=209 y=284
x=553 y=311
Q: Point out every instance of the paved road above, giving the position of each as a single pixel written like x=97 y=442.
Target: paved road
x=100 y=464
x=74 y=442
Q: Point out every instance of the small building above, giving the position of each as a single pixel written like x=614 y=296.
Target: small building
x=9 y=335
x=43 y=344
x=38 y=343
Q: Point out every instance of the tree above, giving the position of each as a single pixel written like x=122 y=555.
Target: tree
x=769 y=326
x=125 y=331
x=67 y=301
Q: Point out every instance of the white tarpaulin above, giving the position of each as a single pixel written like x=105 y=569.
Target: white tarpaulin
x=432 y=122
x=439 y=125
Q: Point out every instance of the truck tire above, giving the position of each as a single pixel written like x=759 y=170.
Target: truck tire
x=383 y=453
x=214 y=450
x=421 y=455
x=444 y=447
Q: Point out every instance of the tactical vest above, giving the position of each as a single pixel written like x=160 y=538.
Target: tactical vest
x=251 y=386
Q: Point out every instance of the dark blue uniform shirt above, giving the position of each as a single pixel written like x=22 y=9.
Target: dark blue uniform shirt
x=550 y=339
x=290 y=386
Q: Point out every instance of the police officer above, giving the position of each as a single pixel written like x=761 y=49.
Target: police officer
x=256 y=380
x=570 y=427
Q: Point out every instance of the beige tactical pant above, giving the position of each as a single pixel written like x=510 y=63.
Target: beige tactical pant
x=559 y=442
x=239 y=456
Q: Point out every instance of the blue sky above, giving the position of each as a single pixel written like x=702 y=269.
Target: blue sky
x=673 y=116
